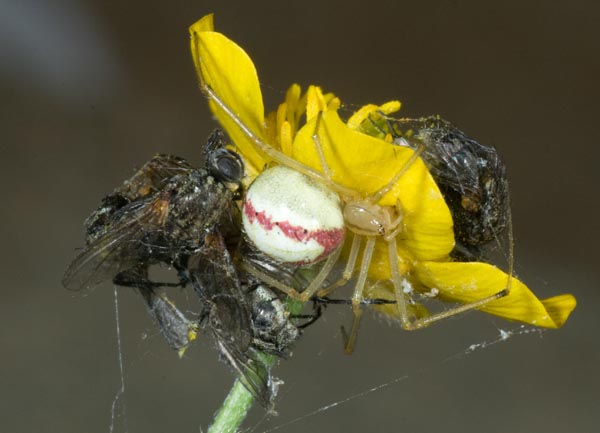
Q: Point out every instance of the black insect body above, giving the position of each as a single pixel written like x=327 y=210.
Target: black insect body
x=186 y=218
x=152 y=219
x=274 y=333
x=471 y=177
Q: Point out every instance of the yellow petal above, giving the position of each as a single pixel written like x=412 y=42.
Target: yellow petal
x=366 y=164
x=285 y=137
x=271 y=127
x=294 y=109
x=468 y=282
x=333 y=102
x=204 y=24
x=315 y=103
x=280 y=119
x=230 y=73
x=559 y=307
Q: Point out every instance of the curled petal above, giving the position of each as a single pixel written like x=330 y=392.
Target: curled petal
x=468 y=282
x=357 y=119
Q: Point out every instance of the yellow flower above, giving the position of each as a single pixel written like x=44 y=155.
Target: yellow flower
x=363 y=163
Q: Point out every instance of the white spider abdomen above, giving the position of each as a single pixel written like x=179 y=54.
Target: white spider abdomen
x=292 y=218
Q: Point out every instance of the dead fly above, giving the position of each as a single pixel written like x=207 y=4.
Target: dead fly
x=186 y=218
x=471 y=177
x=245 y=323
x=160 y=215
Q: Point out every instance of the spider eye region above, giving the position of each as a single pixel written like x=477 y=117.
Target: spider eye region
x=292 y=218
x=369 y=219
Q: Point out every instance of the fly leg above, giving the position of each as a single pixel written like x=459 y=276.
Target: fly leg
x=176 y=328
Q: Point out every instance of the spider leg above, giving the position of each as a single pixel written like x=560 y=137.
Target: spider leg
x=270 y=151
x=307 y=293
x=348 y=270
x=319 y=148
x=425 y=321
x=376 y=196
x=357 y=296
x=405 y=319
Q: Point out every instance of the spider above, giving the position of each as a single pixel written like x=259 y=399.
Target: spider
x=283 y=198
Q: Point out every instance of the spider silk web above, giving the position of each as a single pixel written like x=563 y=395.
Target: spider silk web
x=259 y=421
x=502 y=336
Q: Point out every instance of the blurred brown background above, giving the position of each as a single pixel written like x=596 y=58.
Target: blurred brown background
x=91 y=89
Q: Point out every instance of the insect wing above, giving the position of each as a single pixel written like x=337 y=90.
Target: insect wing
x=152 y=176
x=121 y=246
x=148 y=180
x=232 y=332
x=215 y=280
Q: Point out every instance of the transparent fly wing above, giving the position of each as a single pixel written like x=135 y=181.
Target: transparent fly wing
x=230 y=330
x=162 y=227
x=214 y=278
x=128 y=236
x=288 y=274
x=153 y=175
x=148 y=180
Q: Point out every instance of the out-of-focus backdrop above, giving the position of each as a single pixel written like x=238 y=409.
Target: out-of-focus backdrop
x=91 y=89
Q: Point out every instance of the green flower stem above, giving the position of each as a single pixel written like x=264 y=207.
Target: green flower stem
x=233 y=411
x=238 y=402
